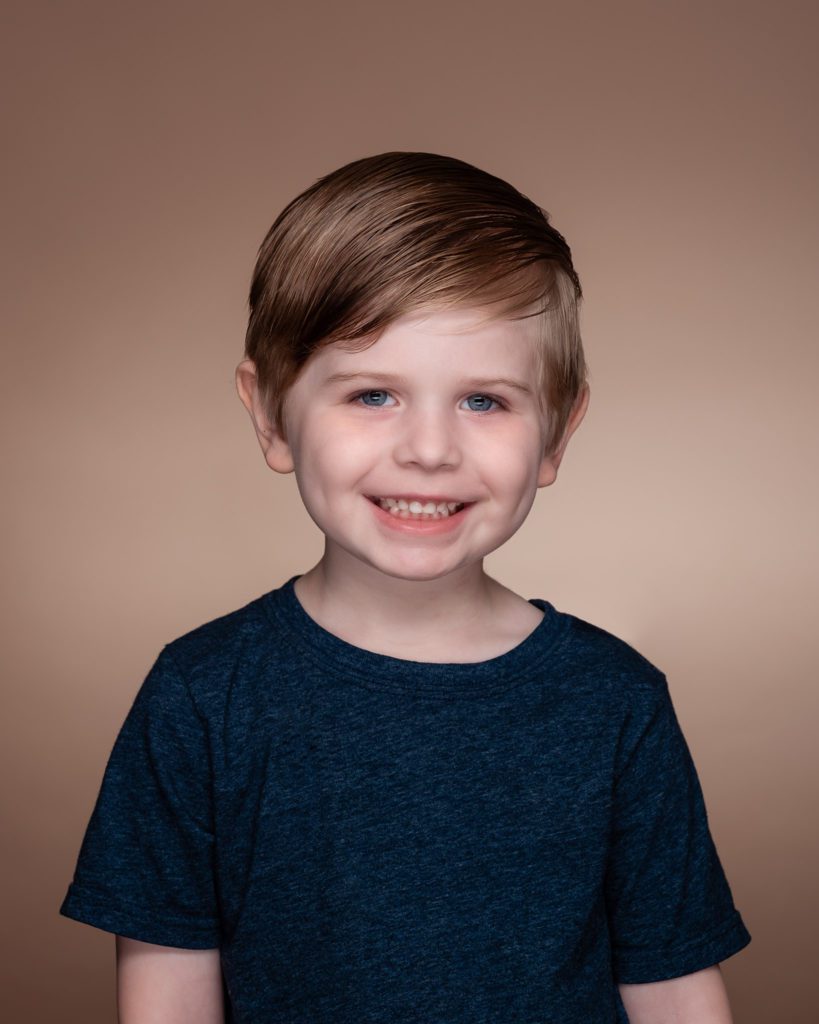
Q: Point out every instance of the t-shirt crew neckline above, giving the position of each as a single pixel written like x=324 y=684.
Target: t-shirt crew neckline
x=341 y=659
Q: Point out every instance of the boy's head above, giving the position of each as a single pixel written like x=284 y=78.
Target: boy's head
x=437 y=279
x=390 y=234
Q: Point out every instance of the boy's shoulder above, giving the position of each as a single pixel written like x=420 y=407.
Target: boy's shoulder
x=604 y=658
x=208 y=651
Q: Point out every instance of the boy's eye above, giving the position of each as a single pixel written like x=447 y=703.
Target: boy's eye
x=368 y=394
x=485 y=399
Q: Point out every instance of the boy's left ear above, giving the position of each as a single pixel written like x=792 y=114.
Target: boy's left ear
x=550 y=463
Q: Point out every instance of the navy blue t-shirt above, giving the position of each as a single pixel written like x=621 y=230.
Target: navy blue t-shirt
x=373 y=839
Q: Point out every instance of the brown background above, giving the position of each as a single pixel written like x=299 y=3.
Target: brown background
x=148 y=148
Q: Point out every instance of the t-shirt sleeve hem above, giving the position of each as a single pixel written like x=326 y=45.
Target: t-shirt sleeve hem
x=637 y=968
x=90 y=907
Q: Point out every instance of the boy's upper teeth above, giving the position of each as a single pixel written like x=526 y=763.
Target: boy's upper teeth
x=419 y=506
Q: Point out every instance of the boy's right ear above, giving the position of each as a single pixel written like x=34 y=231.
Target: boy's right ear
x=276 y=450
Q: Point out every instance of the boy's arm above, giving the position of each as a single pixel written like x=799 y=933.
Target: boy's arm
x=167 y=985
x=698 y=998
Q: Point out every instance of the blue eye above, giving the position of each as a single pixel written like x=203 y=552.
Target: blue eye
x=486 y=398
x=362 y=394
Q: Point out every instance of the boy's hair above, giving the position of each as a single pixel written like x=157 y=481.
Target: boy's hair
x=401 y=232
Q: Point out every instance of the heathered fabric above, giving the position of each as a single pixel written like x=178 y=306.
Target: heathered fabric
x=371 y=839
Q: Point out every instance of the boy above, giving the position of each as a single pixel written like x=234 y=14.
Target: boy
x=391 y=789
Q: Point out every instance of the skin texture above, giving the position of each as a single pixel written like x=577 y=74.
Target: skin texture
x=165 y=985
x=424 y=598
x=698 y=998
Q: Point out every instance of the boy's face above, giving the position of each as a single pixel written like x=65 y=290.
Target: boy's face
x=416 y=422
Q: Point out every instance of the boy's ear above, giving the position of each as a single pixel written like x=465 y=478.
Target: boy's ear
x=276 y=450
x=550 y=463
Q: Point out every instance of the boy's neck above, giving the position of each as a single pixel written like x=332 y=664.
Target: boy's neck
x=458 y=622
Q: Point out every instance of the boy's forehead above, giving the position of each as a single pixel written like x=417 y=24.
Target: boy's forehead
x=446 y=321
x=452 y=339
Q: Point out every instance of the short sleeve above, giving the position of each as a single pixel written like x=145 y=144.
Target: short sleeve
x=146 y=865
x=670 y=907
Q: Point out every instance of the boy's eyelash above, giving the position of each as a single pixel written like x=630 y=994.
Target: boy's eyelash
x=483 y=394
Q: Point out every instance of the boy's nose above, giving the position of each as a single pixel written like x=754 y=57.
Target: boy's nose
x=429 y=440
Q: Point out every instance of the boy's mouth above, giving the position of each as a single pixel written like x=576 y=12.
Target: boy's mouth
x=411 y=508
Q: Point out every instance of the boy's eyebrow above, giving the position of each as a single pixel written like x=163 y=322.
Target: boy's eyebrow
x=392 y=378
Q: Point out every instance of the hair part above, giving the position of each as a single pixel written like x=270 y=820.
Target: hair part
x=395 y=233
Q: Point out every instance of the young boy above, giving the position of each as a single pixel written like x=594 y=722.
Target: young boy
x=391 y=789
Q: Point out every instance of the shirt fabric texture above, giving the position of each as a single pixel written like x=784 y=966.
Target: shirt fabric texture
x=373 y=839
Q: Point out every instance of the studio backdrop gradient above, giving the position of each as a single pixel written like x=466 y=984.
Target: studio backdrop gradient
x=148 y=149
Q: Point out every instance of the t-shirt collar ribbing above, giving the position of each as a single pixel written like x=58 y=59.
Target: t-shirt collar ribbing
x=341 y=659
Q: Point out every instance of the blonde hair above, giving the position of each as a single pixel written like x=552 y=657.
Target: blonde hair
x=390 y=234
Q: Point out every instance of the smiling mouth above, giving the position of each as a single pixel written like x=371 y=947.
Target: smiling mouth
x=402 y=509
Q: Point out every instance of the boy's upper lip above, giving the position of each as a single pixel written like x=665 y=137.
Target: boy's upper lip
x=423 y=498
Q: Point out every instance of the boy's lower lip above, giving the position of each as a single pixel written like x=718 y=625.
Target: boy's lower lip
x=416 y=526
